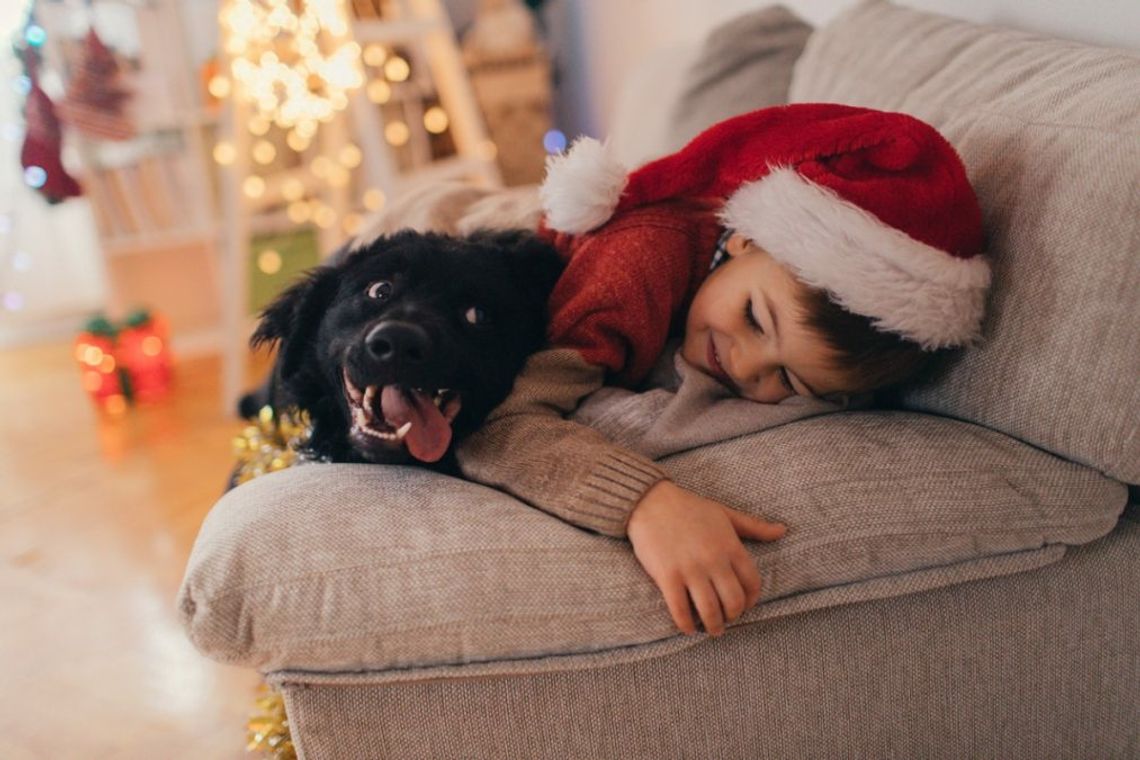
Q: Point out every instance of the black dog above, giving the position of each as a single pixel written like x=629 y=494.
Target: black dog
x=401 y=348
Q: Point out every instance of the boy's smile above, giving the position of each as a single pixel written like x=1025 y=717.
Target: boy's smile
x=743 y=329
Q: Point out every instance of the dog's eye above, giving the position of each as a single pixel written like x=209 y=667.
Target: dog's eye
x=476 y=316
x=380 y=290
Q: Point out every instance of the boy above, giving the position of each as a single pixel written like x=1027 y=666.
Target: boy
x=845 y=248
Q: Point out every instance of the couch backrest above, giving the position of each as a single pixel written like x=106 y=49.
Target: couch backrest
x=1049 y=131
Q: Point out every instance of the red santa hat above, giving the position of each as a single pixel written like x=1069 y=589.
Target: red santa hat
x=872 y=207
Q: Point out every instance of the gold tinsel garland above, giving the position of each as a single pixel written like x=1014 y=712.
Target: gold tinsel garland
x=269 y=727
x=273 y=444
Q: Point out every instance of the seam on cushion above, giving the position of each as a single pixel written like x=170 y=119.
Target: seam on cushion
x=791 y=549
x=359 y=632
x=786 y=549
x=413 y=558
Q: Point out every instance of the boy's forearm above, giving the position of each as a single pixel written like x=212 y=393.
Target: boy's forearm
x=528 y=449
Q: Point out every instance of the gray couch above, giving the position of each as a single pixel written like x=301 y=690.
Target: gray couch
x=960 y=578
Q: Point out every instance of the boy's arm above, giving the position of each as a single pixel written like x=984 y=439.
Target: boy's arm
x=526 y=448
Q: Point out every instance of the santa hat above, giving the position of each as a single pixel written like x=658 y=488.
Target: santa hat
x=872 y=207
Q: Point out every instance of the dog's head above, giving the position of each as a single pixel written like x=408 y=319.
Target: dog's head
x=408 y=344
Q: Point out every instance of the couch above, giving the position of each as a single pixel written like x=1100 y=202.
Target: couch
x=960 y=576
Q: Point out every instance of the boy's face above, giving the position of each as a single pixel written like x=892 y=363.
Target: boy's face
x=767 y=356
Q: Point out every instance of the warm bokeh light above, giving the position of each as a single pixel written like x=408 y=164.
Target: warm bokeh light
x=397 y=69
x=264 y=152
x=291 y=61
x=373 y=199
x=269 y=261
x=324 y=217
x=350 y=156
x=253 y=187
x=375 y=55
x=219 y=86
x=379 y=91
x=435 y=120
x=299 y=212
x=297 y=141
x=397 y=133
x=225 y=153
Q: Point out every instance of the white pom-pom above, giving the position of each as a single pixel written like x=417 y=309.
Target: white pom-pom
x=582 y=187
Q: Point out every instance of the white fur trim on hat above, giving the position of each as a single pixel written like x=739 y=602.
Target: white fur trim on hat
x=582 y=187
x=905 y=286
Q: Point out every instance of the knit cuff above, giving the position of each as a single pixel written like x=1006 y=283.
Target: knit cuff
x=611 y=491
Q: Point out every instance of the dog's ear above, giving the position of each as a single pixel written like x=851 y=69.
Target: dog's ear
x=536 y=263
x=292 y=319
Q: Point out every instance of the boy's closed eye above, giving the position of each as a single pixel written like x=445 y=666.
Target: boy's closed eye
x=750 y=317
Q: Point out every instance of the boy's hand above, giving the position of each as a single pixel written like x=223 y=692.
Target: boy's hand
x=689 y=545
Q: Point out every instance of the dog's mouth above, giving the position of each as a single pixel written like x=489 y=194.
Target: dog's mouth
x=393 y=417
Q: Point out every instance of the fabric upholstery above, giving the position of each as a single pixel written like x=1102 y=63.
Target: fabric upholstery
x=351 y=567
x=743 y=65
x=1033 y=665
x=1048 y=132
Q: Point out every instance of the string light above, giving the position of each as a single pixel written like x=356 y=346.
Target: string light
x=379 y=91
x=435 y=120
x=397 y=133
x=264 y=152
x=324 y=216
x=373 y=199
x=278 y=62
x=397 y=69
x=375 y=55
x=219 y=86
x=253 y=186
x=297 y=141
x=225 y=153
x=350 y=156
x=269 y=261
x=259 y=125
x=299 y=212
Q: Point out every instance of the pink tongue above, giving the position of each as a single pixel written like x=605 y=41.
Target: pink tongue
x=430 y=434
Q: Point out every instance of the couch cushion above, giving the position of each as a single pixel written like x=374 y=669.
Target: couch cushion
x=359 y=567
x=743 y=65
x=1048 y=132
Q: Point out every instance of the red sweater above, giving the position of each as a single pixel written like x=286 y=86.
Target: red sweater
x=627 y=285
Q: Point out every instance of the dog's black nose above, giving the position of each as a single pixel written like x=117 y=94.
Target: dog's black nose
x=398 y=343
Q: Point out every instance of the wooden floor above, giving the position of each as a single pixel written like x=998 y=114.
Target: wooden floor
x=97 y=517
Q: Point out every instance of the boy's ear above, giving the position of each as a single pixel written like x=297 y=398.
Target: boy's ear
x=292 y=319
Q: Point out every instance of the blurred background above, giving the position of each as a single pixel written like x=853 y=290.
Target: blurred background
x=166 y=167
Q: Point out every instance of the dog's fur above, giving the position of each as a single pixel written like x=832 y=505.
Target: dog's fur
x=455 y=313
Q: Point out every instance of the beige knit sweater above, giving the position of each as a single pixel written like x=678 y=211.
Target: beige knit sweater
x=586 y=453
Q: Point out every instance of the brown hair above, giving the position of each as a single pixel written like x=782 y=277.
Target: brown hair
x=868 y=359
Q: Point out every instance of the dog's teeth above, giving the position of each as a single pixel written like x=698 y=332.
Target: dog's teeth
x=437 y=401
x=403 y=431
